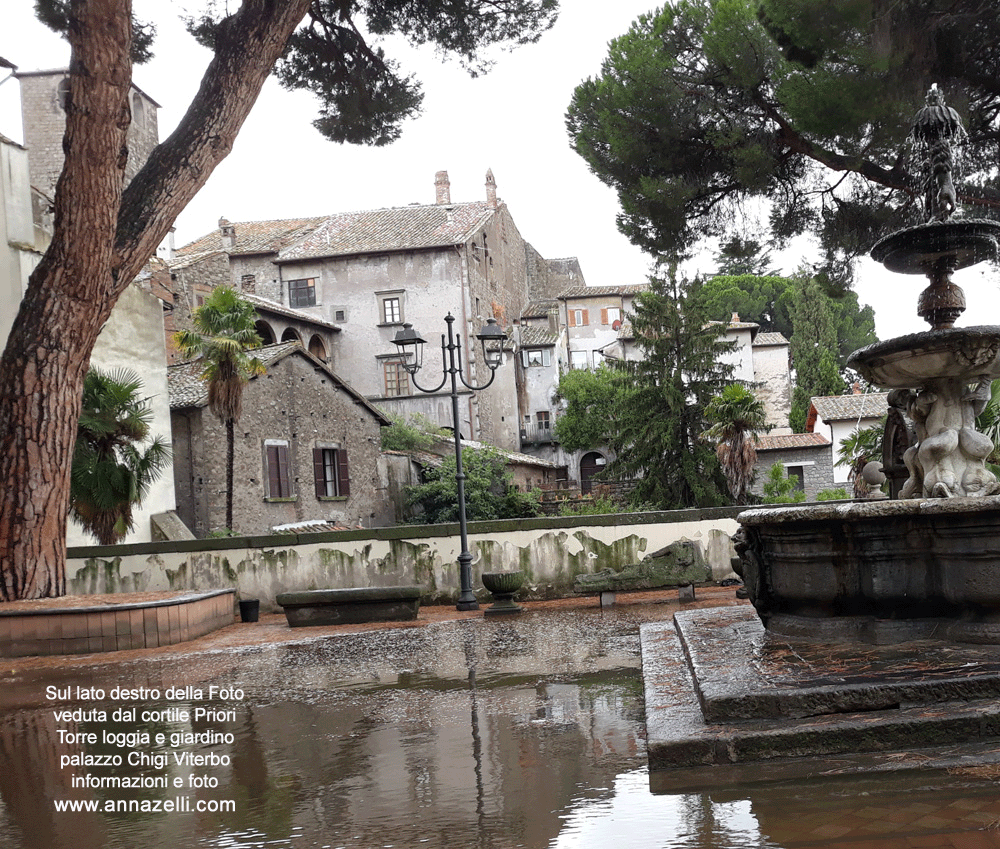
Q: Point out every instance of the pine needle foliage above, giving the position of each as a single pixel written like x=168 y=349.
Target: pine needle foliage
x=113 y=467
x=658 y=415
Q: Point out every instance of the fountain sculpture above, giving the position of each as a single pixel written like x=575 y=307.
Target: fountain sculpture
x=927 y=565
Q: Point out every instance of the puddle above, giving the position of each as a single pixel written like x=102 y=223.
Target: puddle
x=478 y=733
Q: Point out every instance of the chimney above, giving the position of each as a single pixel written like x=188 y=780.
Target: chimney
x=228 y=233
x=491 y=189
x=442 y=188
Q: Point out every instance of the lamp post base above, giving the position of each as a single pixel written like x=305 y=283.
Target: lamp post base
x=467 y=605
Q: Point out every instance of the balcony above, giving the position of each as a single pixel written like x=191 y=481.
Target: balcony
x=536 y=434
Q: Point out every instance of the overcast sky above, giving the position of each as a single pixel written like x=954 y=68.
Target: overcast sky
x=510 y=120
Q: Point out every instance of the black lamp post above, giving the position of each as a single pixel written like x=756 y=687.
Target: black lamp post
x=411 y=347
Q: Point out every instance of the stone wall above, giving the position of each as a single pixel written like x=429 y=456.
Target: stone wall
x=551 y=551
x=295 y=402
x=816 y=463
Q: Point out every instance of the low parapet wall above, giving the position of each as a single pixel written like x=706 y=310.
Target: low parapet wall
x=551 y=552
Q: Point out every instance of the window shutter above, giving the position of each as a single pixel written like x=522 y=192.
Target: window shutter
x=571 y=314
x=344 y=478
x=604 y=316
x=319 y=472
x=273 y=472
x=546 y=357
x=586 y=318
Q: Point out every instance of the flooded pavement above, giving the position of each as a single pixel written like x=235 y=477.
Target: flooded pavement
x=463 y=732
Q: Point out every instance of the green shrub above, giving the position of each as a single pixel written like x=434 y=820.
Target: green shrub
x=779 y=489
x=838 y=494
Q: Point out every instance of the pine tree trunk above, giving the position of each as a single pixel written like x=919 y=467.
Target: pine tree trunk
x=102 y=237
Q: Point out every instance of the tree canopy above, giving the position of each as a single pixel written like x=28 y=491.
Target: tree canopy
x=658 y=412
x=105 y=231
x=768 y=301
x=708 y=110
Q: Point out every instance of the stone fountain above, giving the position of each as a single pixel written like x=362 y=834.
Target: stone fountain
x=874 y=623
x=928 y=564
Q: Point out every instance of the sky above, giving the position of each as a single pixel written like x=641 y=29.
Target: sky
x=510 y=120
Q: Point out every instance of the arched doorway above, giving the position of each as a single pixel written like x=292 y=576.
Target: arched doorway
x=265 y=333
x=317 y=348
x=291 y=335
x=590 y=465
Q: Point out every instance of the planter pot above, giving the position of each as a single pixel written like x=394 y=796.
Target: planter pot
x=503 y=586
x=250 y=610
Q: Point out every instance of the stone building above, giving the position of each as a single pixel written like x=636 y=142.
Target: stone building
x=307 y=449
x=837 y=416
x=363 y=275
x=133 y=335
x=43 y=111
x=806 y=457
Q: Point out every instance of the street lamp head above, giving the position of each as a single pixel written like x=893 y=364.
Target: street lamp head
x=492 y=338
x=411 y=348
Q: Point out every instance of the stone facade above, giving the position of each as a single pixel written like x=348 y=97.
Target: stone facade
x=805 y=456
x=837 y=416
x=43 y=99
x=772 y=379
x=297 y=408
x=364 y=274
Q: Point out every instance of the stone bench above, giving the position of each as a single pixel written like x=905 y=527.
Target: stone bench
x=350 y=606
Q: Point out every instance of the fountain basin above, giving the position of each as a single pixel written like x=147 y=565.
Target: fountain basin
x=880 y=572
x=965 y=353
x=960 y=243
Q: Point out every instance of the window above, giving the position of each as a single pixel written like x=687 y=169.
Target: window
x=578 y=359
x=392 y=312
x=578 y=318
x=138 y=109
x=542 y=417
x=611 y=315
x=248 y=283
x=277 y=469
x=302 y=293
x=797 y=474
x=330 y=473
x=532 y=357
x=339 y=315
x=397 y=381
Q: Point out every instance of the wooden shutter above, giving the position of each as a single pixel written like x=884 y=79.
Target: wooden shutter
x=586 y=318
x=604 y=316
x=277 y=471
x=571 y=316
x=319 y=473
x=343 y=476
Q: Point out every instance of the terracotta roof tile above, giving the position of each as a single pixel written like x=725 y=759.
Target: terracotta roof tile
x=254 y=237
x=601 y=291
x=394 y=229
x=537 y=337
x=791 y=440
x=539 y=309
x=764 y=339
x=267 y=305
x=832 y=408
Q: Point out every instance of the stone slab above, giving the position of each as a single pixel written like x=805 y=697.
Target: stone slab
x=682 y=742
x=741 y=671
x=350 y=606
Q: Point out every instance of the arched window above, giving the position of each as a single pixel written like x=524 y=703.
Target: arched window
x=265 y=332
x=317 y=348
x=62 y=93
x=138 y=109
x=291 y=335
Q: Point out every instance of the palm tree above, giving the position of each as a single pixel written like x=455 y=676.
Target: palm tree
x=738 y=418
x=223 y=333
x=110 y=474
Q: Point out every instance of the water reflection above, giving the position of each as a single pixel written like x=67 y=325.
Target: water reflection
x=467 y=734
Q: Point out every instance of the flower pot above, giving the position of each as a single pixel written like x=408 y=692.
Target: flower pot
x=250 y=610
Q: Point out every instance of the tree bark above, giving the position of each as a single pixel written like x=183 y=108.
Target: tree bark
x=230 y=462
x=102 y=237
